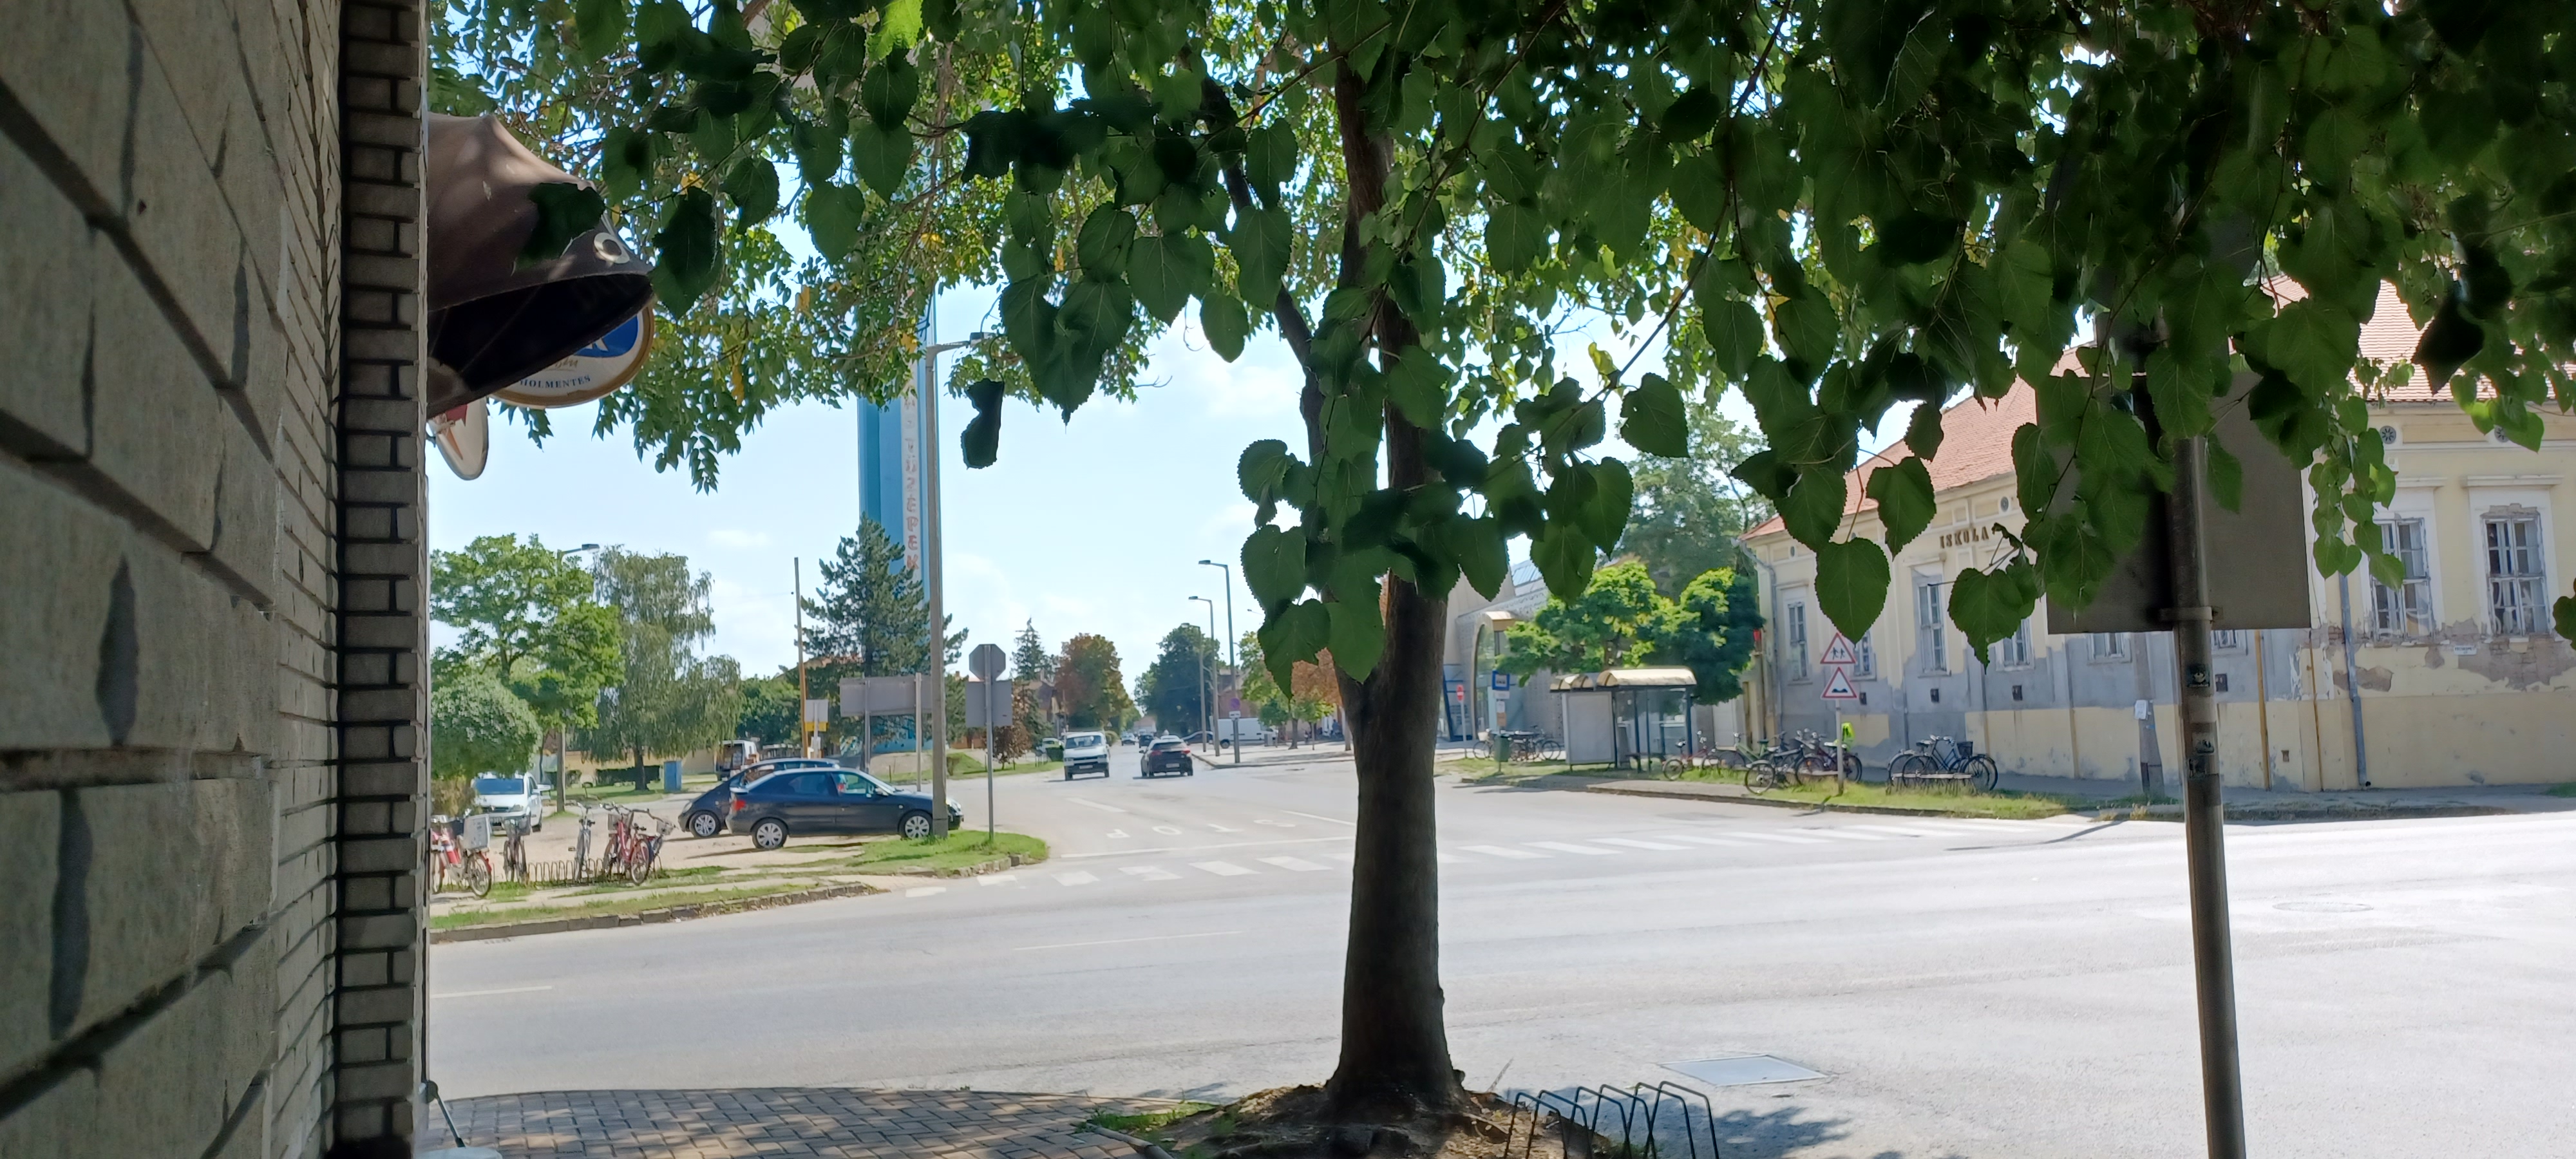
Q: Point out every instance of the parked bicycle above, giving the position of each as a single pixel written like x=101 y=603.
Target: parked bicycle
x=581 y=846
x=447 y=858
x=643 y=849
x=1798 y=759
x=1939 y=759
x=514 y=852
x=1532 y=746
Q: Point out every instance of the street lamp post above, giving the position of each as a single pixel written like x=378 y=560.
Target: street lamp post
x=1233 y=657
x=1207 y=679
x=563 y=731
x=927 y=414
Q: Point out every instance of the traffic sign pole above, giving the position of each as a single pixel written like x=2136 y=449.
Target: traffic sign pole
x=986 y=663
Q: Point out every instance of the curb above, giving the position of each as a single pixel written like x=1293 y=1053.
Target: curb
x=647 y=917
x=2277 y=813
x=996 y=865
x=1824 y=806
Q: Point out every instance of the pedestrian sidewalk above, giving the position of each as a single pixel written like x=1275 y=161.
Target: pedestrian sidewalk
x=823 y=1121
x=2291 y=804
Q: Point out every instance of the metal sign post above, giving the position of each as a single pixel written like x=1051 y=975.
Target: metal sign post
x=1838 y=688
x=2204 y=840
x=986 y=663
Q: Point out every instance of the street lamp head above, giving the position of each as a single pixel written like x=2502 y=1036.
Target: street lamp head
x=1210 y=563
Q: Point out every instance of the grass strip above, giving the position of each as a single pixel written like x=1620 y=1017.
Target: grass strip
x=962 y=848
x=1144 y=1121
x=633 y=904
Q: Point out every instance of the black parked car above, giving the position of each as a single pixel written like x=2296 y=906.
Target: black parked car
x=811 y=801
x=1169 y=754
x=705 y=817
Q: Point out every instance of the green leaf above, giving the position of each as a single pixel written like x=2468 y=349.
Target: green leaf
x=2023 y=281
x=1652 y=420
x=1260 y=242
x=1734 y=333
x=796 y=53
x=1905 y=502
x=1692 y=115
x=1851 y=585
x=1482 y=554
x=889 y=92
x=1292 y=636
x=1358 y=636
x=898 y=26
x=1226 y=325
x=881 y=156
x=832 y=217
x=625 y=161
x=817 y=149
x=1419 y=386
x=601 y=25
x=686 y=251
x=2226 y=476
x=1614 y=493
x=1101 y=244
x=1270 y=158
x=842 y=58
x=1807 y=330
x=564 y=211
x=1161 y=276
x=981 y=441
x=1515 y=238
x=2180 y=393
x=1814 y=507
x=1565 y=557
x=752 y=185
x=1274 y=567
x=1923 y=432
x=2563 y=614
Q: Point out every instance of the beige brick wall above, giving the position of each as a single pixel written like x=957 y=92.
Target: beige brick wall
x=172 y=537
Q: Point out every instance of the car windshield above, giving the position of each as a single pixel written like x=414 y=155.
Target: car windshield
x=1083 y=740
x=1164 y=746
x=500 y=786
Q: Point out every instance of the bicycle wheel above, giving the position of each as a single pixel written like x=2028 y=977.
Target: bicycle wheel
x=1982 y=773
x=1902 y=768
x=478 y=875
x=1852 y=767
x=639 y=869
x=1760 y=777
x=581 y=855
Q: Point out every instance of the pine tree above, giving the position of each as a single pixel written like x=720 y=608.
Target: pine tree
x=869 y=616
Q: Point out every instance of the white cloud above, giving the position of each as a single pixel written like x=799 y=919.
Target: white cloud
x=737 y=538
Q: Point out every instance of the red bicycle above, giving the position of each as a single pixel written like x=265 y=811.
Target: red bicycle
x=471 y=868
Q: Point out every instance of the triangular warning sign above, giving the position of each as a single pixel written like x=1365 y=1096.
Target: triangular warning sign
x=1840 y=651
x=1838 y=685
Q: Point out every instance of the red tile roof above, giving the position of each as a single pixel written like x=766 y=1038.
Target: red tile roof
x=1976 y=435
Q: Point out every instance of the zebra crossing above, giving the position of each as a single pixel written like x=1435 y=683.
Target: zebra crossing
x=1247 y=863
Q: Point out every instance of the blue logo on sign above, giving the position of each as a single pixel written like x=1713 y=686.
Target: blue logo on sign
x=1502 y=682
x=615 y=343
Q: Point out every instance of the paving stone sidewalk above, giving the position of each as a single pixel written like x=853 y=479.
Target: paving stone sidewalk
x=818 y=1121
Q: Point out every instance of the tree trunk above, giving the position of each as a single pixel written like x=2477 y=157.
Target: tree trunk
x=1395 y=1041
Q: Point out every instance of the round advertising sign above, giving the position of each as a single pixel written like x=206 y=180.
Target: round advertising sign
x=464 y=437
x=591 y=371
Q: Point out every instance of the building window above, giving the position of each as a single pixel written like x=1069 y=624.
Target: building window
x=2013 y=651
x=1798 y=641
x=1935 y=648
x=2516 y=587
x=2110 y=645
x=2226 y=638
x=2408 y=609
x=1867 y=668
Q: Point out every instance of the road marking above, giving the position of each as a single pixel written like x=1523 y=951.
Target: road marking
x=1200 y=848
x=1077 y=877
x=1696 y=839
x=485 y=993
x=1447 y=858
x=1320 y=817
x=1902 y=830
x=1221 y=828
x=1168 y=830
x=1220 y=868
x=1117 y=834
x=1571 y=847
x=998 y=879
x=1634 y=843
x=1784 y=838
x=1298 y=864
x=1131 y=941
x=1091 y=804
x=1269 y=821
x=1501 y=851
x=1152 y=872
x=924 y=890
x=1848 y=835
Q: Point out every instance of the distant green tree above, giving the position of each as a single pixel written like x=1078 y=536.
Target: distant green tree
x=668 y=699
x=530 y=618
x=769 y=712
x=476 y=725
x=1032 y=667
x=869 y=616
x=1614 y=623
x=1691 y=511
x=1174 y=688
x=1712 y=634
x=1089 y=685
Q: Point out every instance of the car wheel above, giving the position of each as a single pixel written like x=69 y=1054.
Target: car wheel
x=705 y=824
x=916 y=826
x=769 y=833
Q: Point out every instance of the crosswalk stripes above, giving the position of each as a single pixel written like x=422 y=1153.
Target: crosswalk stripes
x=1503 y=851
x=1571 y=847
x=1784 y=838
x=1077 y=877
x=1848 y=835
x=998 y=879
x=1697 y=839
x=1292 y=864
x=1151 y=873
x=1221 y=868
x=1633 y=843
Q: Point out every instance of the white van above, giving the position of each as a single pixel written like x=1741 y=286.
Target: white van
x=1085 y=752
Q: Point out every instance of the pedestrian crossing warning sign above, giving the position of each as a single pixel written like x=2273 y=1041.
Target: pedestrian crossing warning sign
x=1840 y=651
x=1838 y=685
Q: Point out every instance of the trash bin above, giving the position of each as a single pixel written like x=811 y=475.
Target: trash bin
x=670 y=776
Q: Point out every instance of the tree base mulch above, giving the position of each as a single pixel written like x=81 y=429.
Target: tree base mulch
x=1289 y=1123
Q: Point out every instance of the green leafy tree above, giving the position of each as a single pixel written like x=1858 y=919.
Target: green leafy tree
x=668 y=699
x=1617 y=622
x=869 y=616
x=1712 y=632
x=1174 y=688
x=1089 y=686
x=769 y=713
x=476 y=725
x=1839 y=207
x=1032 y=668
x=1691 y=511
x=529 y=619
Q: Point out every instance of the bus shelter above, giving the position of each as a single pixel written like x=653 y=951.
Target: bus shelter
x=1626 y=717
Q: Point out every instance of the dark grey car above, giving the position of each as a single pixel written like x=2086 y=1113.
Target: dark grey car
x=816 y=801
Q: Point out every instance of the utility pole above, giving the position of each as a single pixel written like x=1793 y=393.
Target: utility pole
x=937 y=661
x=1233 y=652
x=1207 y=678
x=2204 y=848
x=804 y=735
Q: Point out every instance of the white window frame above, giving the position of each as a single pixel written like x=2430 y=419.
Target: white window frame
x=1867 y=666
x=2406 y=610
x=2108 y=646
x=2226 y=639
x=1794 y=636
x=1931 y=627
x=2013 y=651
x=2515 y=568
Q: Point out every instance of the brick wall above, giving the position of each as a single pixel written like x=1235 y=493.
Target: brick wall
x=209 y=578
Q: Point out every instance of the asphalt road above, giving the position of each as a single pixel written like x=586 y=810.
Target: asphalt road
x=1968 y=988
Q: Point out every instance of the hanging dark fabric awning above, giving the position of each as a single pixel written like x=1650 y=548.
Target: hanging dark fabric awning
x=493 y=322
